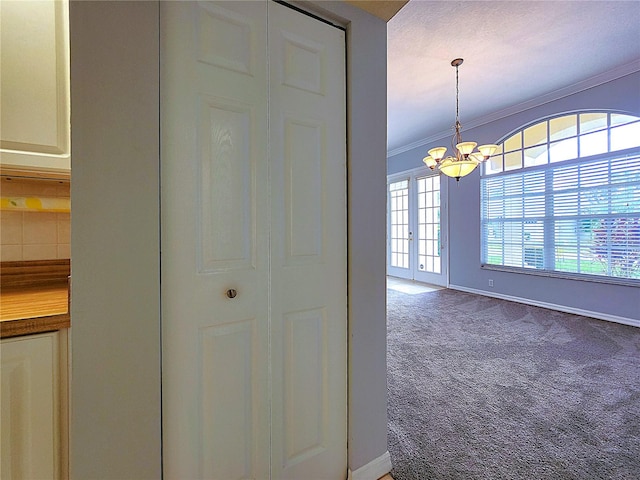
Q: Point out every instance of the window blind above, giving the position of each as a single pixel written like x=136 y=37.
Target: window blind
x=577 y=217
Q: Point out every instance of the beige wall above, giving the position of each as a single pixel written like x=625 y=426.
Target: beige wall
x=33 y=235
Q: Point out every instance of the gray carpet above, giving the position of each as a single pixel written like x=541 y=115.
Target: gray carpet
x=481 y=388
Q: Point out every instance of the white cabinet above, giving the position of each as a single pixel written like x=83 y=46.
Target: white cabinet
x=34 y=86
x=31 y=406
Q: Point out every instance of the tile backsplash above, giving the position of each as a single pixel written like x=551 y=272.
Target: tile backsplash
x=33 y=235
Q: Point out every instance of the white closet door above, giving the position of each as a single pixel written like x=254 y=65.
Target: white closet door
x=253 y=204
x=215 y=234
x=308 y=247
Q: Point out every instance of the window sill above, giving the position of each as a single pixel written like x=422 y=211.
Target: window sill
x=627 y=282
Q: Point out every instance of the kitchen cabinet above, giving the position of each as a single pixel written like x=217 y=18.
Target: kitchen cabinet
x=34 y=87
x=33 y=383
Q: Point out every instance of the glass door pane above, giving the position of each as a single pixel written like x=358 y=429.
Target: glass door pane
x=429 y=225
x=429 y=254
x=399 y=236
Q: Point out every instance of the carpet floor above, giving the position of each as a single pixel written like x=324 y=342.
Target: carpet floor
x=482 y=388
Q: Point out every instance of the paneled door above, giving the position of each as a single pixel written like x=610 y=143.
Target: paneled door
x=215 y=240
x=307 y=126
x=253 y=242
x=416 y=227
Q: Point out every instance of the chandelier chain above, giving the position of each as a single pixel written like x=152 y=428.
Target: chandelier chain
x=457 y=95
x=457 y=137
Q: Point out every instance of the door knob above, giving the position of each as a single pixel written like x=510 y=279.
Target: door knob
x=232 y=292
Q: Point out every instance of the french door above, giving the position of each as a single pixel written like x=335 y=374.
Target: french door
x=416 y=227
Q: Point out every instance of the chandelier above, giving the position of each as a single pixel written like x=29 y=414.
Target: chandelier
x=465 y=159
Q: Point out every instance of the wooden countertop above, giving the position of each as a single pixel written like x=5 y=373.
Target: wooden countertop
x=34 y=296
x=27 y=310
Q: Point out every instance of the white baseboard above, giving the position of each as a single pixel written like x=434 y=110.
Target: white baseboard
x=552 y=306
x=373 y=470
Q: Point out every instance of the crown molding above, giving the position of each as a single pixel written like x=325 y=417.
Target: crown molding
x=613 y=74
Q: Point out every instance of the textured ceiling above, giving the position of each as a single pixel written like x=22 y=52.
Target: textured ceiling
x=516 y=54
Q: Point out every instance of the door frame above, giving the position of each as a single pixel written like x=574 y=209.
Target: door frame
x=413 y=273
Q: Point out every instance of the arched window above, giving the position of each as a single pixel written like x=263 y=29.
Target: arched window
x=561 y=197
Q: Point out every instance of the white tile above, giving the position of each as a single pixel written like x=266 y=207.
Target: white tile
x=64 y=228
x=10 y=253
x=39 y=252
x=40 y=228
x=64 y=250
x=10 y=228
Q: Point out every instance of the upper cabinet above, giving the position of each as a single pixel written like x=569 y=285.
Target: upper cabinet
x=34 y=87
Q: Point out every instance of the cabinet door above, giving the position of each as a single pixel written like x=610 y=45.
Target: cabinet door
x=30 y=404
x=34 y=85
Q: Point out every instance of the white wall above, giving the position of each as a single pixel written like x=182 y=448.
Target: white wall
x=367 y=143
x=615 y=302
x=115 y=418
x=115 y=345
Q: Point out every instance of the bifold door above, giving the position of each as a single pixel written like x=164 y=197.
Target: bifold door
x=253 y=242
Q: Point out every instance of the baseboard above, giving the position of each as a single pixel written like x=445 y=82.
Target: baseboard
x=373 y=470
x=552 y=306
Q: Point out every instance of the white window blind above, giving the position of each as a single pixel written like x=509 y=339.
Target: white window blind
x=580 y=217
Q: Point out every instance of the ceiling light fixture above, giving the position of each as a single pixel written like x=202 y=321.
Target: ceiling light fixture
x=465 y=160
